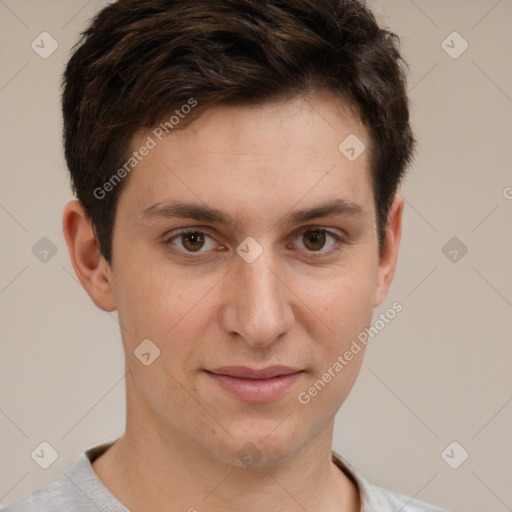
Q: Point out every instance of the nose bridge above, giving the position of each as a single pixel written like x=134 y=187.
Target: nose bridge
x=259 y=310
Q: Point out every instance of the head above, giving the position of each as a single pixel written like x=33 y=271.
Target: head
x=235 y=120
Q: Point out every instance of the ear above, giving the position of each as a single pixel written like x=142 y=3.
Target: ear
x=389 y=256
x=90 y=266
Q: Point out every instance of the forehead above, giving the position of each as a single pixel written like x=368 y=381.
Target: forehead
x=254 y=158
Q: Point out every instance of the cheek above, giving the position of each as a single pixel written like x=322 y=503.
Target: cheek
x=141 y=303
x=158 y=304
x=344 y=310
x=342 y=305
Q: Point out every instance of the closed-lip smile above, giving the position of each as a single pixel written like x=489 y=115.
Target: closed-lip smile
x=256 y=385
x=244 y=372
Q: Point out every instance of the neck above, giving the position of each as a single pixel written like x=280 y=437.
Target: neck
x=150 y=467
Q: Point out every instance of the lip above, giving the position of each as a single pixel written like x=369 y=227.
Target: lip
x=256 y=385
x=244 y=372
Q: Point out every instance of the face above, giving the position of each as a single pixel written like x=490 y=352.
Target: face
x=245 y=250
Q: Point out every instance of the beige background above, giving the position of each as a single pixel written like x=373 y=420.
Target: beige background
x=440 y=372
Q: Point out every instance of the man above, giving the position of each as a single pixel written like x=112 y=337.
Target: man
x=236 y=165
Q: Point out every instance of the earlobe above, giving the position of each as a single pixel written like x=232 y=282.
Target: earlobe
x=90 y=267
x=389 y=256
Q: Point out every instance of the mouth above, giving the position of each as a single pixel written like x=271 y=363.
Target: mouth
x=255 y=385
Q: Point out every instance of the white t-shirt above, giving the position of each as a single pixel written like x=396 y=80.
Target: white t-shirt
x=80 y=490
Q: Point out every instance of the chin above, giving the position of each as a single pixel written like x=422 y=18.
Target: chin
x=259 y=444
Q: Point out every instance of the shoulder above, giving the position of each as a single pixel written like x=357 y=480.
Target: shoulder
x=77 y=490
x=383 y=499
x=378 y=499
x=50 y=497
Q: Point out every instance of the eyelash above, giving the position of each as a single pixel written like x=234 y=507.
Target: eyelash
x=340 y=241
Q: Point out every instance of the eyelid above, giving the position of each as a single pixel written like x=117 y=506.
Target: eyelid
x=172 y=235
x=341 y=239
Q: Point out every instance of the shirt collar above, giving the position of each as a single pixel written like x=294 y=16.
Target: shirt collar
x=368 y=503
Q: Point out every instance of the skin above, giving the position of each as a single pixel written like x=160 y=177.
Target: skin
x=183 y=431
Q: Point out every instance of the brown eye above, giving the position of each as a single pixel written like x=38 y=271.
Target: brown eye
x=314 y=240
x=191 y=241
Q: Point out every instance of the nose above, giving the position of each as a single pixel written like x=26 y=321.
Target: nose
x=258 y=305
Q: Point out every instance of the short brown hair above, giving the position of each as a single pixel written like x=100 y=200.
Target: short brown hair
x=139 y=60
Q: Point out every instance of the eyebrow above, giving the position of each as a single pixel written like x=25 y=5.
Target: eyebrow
x=204 y=213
